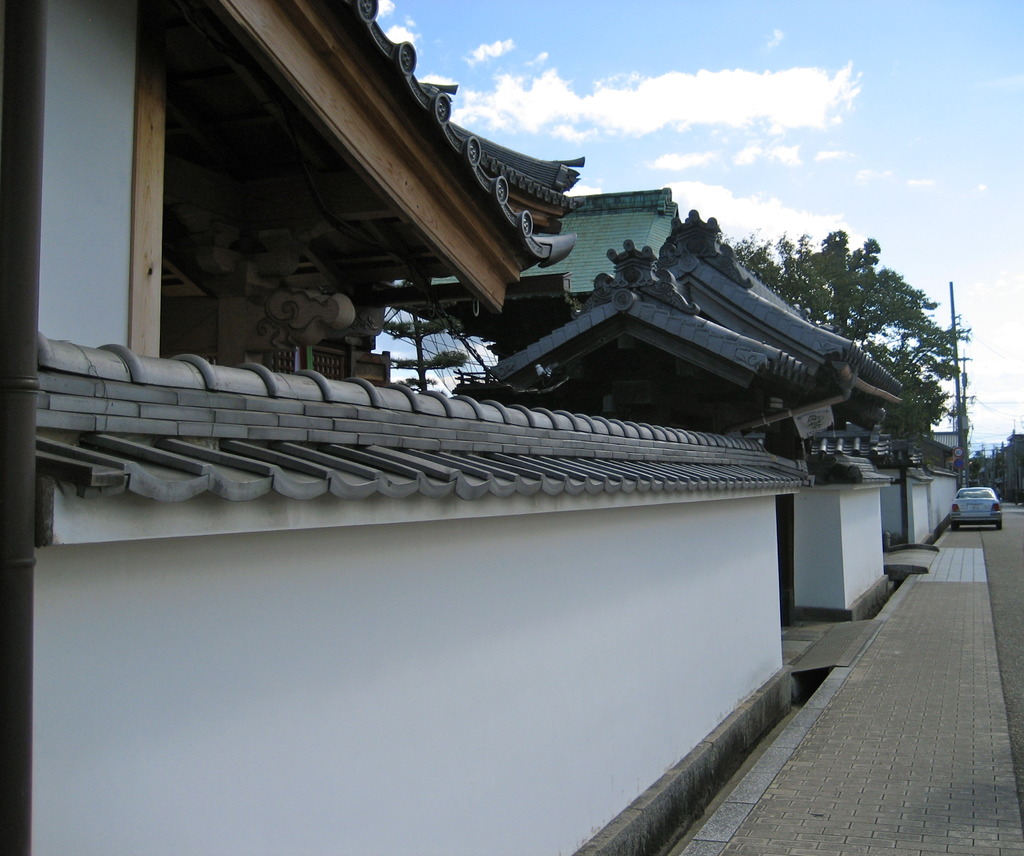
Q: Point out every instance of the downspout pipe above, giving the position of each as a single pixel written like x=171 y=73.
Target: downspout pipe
x=779 y=415
x=21 y=161
x=849 y=378
x=848 y=381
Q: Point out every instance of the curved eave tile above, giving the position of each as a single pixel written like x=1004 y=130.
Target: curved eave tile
x=174 y=471
x=436 y=104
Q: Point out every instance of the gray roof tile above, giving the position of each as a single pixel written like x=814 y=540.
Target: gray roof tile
x=70 y=384
x=175 y=413
x=282 y=440
x=78 y=360
x=62 y=420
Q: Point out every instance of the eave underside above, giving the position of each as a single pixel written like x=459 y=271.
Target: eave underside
x=371 y=177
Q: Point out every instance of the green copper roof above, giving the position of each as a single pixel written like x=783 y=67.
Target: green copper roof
x=602 y=222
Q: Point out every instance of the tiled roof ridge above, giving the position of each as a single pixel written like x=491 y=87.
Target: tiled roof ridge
x=628 y=200
x=666 y=309
x=436 y=102
x=789 y=323
x=763 y=358
x=307 y=391
x=694 y=238
x=695 y=243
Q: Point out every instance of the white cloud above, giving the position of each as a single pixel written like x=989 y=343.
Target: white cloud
x=402 y=33
x=635 y=105
x=776 y=39
x=684 y=161
x=584 y=190
x=572 y=135
x=491 y=51
x=540 y=59
x=867 y=176
x=921 y=182
x=982 y=188
x=747 y=156
x=831 y=155
x=385 y=8
x=786 y=155
x=741 y=216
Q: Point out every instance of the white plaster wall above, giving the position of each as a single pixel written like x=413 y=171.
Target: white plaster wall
x=817 y=549
x=892 y=507
x=920 y=512
x=837 y=545
x=501 y=685
x=940 y=496
x=862 y=541
x=87 y=170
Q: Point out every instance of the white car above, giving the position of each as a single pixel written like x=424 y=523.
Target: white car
x=976 y=506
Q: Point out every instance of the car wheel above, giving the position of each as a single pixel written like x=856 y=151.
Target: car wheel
x=999 y=525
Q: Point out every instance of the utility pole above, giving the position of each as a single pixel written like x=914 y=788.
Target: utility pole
x=960 y=438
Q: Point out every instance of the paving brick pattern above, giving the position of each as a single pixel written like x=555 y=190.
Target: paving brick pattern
x=958 y=565
x=909 y=755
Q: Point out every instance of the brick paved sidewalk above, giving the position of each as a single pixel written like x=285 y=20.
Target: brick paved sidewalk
x=906 y=752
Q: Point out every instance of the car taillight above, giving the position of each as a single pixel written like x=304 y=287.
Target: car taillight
x=995 y=506
x=956 y=507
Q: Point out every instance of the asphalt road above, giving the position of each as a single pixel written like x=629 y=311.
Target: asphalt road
x=1004 y=561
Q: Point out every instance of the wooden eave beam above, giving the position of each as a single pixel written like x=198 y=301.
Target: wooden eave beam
x=547 y=285
x=312 y=55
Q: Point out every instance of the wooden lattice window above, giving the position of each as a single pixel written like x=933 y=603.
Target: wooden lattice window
x=330 y=362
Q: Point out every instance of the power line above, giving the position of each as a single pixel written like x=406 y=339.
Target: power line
x=995 y=350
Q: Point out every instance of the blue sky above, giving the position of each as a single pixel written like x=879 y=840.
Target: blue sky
x=896 y=120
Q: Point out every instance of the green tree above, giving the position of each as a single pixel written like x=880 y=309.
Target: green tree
x=423 y=334
x=873 y=306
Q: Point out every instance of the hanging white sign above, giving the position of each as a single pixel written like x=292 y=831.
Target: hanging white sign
x=813 y=421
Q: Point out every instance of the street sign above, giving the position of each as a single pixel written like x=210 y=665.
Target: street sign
x=958 y=463
x=958 y=452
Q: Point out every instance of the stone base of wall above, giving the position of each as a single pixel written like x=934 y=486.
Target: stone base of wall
x=663 y=813
x=864 y=607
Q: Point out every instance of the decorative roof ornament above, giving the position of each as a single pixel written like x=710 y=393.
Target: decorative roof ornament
x=637 y=273
x=690 y=241
x=693 y=240
x=697 y=237
x=303 y=316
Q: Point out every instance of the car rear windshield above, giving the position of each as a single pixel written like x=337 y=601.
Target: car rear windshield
x=976 y=493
